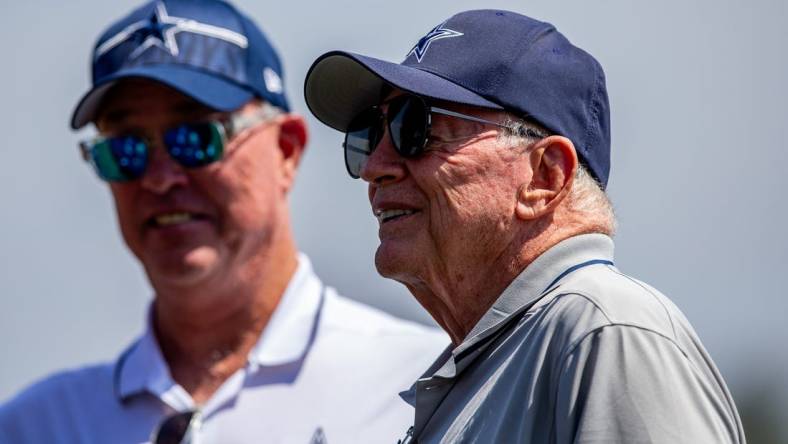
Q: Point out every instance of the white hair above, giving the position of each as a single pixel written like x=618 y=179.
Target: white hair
x=587 y=201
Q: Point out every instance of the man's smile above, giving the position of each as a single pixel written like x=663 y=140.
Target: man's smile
x=384 y=216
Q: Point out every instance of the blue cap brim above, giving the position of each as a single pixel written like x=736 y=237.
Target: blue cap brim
x=340 y=85
x=207 y=88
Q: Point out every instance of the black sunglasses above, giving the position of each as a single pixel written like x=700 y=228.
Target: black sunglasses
x=409 y=120
x=179 y=428
x=124 y=157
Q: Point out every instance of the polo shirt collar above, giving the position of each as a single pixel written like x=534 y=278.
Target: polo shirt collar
x=541 y=275
x=291 y=330
x=286 y=338
x=141 y=368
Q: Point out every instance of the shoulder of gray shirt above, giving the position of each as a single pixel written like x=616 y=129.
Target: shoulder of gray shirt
x=600 y=296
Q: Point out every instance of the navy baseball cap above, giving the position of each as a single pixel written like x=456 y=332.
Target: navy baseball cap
x=487 y=58
x=206 y=49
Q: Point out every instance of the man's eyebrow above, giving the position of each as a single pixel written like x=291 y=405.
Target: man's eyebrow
x=113 y=116
x=190 y=108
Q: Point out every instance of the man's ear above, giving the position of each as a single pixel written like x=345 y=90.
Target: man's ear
x=293 y=137
x=553 y=162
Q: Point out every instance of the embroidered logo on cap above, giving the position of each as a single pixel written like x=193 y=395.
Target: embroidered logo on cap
x=159 y=30
x=437 y=33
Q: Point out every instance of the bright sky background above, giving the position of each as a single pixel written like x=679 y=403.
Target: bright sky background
x=698 y=94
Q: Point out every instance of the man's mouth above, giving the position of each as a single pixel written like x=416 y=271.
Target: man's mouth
x=384 y=216
x=173 y=218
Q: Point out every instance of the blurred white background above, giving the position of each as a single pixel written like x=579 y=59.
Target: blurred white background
x=698 y=94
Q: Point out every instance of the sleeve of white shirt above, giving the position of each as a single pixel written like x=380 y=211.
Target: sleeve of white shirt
x=625 y=384
x=29 y=418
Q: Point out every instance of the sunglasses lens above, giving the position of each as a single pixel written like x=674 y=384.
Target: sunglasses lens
x=195 y=145
x=119 y=159
x=407 y=116
x=363 y=135
x=173 y=429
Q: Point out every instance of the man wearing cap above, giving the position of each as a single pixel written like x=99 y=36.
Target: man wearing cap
x=244 y=343
x=487 y=153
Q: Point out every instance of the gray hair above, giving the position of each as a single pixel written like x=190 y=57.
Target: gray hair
x=587 y=201
x=240 y=122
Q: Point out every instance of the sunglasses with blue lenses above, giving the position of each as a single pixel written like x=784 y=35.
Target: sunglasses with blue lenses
x=125 y=157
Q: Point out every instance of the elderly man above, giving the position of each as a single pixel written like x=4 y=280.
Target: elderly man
x=244 y=343
x=487 y=152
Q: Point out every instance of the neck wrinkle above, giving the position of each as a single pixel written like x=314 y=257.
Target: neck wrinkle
x=458 y=298
x=472 y=296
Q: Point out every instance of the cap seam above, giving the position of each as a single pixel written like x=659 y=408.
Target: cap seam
x=247 y=52
x=594 y=118
x=530 y=38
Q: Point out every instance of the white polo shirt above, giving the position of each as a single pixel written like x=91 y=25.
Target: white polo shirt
x=325 y=370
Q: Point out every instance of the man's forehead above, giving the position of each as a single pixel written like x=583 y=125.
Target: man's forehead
x=132 y=97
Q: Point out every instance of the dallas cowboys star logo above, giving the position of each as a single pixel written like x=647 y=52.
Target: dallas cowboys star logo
x=437 y=33
x=160 y=29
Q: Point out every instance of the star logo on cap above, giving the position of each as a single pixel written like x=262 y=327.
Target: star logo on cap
x=160 y=29
x=437 y=33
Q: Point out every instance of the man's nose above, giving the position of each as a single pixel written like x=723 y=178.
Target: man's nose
x=384 y=165
x=162 y=173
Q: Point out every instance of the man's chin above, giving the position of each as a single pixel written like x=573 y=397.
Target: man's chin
x=181 y=268
x=393 y=262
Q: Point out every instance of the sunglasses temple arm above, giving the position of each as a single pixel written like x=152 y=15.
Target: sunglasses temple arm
x=465 y=117
x=84 y=150
x=528 y=131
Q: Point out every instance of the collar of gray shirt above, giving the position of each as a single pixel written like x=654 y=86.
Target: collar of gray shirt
x=536 y=280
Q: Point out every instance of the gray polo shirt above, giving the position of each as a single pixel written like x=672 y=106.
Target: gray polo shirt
x=575 y=351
